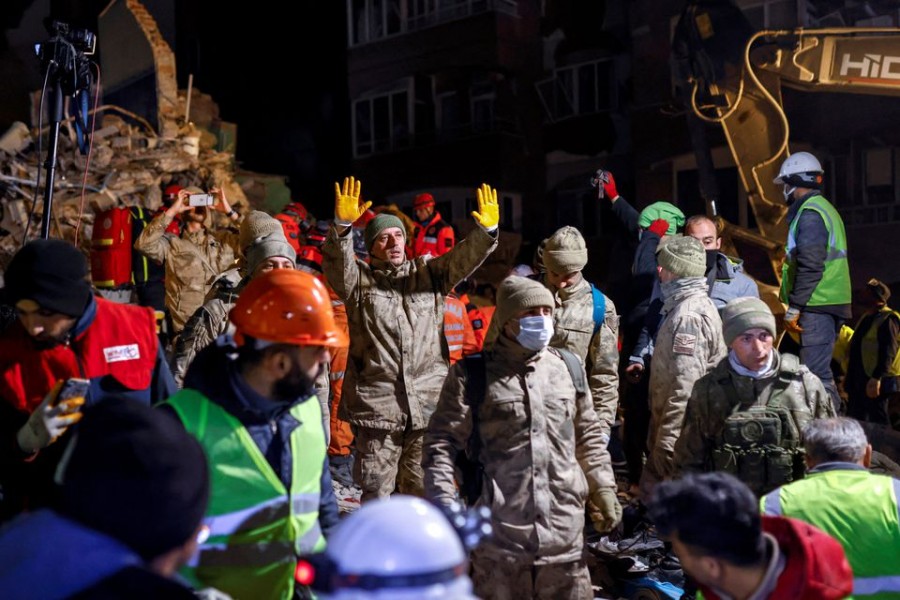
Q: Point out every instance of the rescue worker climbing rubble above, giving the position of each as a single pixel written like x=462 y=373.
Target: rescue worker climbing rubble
x=398 y=358
x=249 y=401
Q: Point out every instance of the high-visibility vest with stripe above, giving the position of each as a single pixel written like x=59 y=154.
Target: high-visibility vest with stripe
x=869 y=346
x=257 y=529
x=858 y=509
x=834 y=287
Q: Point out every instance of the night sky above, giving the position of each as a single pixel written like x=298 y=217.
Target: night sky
x=262 y=65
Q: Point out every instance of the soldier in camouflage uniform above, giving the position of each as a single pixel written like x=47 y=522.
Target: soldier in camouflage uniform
x=745 y=416
x=688 y=345
x=265 y=248
x=398 y=354
x=575 y=327
x=195 y=258
x=542 y=450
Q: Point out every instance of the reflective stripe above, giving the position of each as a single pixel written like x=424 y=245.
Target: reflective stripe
x=773 y=503
x=242 y=555
x=863 y=586
x=455 y=347
x=305 y=503
x=896 y=483
x=248 y=518
x=307 y=542
x=336 y=375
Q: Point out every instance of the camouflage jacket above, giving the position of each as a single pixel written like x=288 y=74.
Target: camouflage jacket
x=541 y=447
x=208 y=322
x=689 y=345
x=723 y=392
x=573 y=321
x=193 y=261
x=398 y=354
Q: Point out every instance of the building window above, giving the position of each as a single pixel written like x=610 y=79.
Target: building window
x=880 y=167
x=372 y=20
x=482 y=97
x=381 y=123
x=583 y=89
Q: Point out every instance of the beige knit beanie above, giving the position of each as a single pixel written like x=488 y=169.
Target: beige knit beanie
x=742 y=314
x=515 y=295
x=565 y=251
x=683 y=256
x=257 y=225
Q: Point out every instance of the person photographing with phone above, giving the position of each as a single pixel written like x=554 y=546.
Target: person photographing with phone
x=194 y=258
x=66 y=349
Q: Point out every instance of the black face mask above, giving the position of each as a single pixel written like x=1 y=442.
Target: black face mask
x=712 y=258
x=293 y=385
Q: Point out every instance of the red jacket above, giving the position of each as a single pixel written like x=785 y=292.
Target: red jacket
x=816 y=567
x=435 y=238
x=113 y=340
x=291 y=230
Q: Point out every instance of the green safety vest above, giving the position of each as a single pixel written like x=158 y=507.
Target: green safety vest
x=257 y=529
x=869 y=345
x=834 y=287
x=859 y=510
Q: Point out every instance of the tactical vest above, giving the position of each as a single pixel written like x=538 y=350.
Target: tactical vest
x=257 y=528
x=760 y=445
x=869 y=346
x=834 y=287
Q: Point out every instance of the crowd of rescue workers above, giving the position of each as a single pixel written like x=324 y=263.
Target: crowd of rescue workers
x=211 y=427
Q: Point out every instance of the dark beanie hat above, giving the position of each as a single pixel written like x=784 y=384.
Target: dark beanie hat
x=53 y=273
x=134 y=473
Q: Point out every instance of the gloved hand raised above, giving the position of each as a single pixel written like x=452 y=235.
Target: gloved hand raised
x=659 y=227
x=488 y=214
x=346 y=202
x=604 y=509
x=49 y=421
x=609 y=186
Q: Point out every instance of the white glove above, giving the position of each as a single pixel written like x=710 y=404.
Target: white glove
x=48 y=422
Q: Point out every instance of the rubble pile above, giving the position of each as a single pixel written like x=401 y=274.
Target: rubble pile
x=129 y=165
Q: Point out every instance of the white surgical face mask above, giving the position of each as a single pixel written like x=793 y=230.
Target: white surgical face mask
x=788 y=192
x=535 y=332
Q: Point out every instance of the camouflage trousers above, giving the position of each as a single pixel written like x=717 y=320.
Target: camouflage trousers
x=388 y=461
x=498 y=579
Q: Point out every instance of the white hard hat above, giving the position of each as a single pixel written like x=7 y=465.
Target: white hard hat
x=801 y=169
x=398 y=548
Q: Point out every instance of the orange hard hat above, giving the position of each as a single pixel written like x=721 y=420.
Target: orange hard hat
x=285 y=306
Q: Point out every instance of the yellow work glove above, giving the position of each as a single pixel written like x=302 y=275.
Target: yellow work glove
x=347 y=208
x=604 y=509
x=488 y=214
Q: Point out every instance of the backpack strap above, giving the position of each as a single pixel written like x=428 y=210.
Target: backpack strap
x=576 y=369
x=599 y=307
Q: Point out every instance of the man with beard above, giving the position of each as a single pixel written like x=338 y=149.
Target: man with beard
x=63 y=331
x=195 y=258
x=249 y=401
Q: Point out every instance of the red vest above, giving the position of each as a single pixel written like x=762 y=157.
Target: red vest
x=436 y=238
x=291 y=230
x=121 y=342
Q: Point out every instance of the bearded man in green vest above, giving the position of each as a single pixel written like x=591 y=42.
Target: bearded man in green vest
x=250 y=402
x=815 y=280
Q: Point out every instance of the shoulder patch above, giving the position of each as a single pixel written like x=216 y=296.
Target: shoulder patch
x=684 y=343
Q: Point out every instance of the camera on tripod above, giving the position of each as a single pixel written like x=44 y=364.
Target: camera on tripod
x=65 y=54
